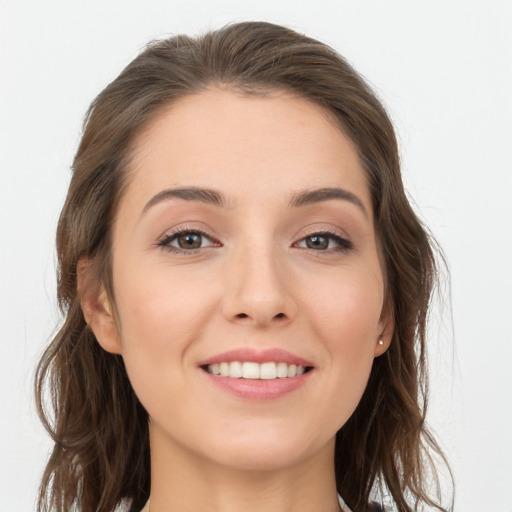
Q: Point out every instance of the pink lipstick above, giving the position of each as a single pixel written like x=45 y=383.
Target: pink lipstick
x=257 y=375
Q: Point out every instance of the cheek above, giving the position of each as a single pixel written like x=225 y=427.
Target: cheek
x=346 y=317
x=159 y=321
x=348 y=308
x=160 y=318
x=155 y=308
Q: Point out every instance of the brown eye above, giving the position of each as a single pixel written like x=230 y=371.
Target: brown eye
x=318 y=242
x=186 y=241
x=189 y=240
x=325 y=242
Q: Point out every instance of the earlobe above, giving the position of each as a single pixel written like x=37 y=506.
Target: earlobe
x=381 y=346
x=97 y=310
x=385 y=334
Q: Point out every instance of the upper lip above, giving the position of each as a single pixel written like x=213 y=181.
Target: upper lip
x=276 y=355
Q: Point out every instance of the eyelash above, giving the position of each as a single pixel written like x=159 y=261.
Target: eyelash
x=343 y=244
x=165 y=242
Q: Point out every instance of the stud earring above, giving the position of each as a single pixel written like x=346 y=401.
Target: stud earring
x=381 y=342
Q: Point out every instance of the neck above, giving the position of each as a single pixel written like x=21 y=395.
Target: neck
x=181 y=480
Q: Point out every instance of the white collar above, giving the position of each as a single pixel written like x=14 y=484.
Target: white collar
x=343 y=505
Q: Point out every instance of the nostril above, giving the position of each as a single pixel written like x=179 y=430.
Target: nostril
x=278 y=316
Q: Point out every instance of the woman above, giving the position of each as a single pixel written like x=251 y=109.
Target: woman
x=245 y=290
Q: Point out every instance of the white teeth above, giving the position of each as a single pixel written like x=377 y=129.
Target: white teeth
x=235 y=369
x=282 y=370
x=292 y=370
x=268 y=371
x=250 y=370
x=224 y=369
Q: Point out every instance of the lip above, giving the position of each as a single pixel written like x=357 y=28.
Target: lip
x=251 y=355
x=258 y=389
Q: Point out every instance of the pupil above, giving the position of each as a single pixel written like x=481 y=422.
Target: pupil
x=190 y=241
x=317 y=242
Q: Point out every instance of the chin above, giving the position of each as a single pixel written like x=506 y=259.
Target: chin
x=267 y=452
x=260 y=460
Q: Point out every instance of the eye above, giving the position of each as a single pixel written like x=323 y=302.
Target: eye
x=186 y=240
x=325 y=241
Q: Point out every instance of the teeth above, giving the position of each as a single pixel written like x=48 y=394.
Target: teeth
x=282 y=370
x=250 y=370
x=224 y=369
x=268 y=371
x=235 y=370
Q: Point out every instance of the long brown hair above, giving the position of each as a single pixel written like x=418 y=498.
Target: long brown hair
x=101 y=453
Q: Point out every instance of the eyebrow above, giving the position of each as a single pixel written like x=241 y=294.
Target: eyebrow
x=308 y=197
x=204 y=195
x=210 y=196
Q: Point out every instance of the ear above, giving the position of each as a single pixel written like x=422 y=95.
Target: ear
x=386 y=327
x=97 y=309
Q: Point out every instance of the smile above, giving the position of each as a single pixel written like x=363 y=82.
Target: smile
x=257 y=375
x=253 y=370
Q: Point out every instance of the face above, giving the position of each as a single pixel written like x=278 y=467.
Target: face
x=244 y=245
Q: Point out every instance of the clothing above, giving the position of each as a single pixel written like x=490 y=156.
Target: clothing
x=344 y=507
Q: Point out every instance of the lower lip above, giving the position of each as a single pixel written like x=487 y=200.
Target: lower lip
x=259 y=389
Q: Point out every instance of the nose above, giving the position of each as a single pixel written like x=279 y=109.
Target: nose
x=258 y=291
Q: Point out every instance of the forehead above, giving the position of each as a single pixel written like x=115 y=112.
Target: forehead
x=241 y=143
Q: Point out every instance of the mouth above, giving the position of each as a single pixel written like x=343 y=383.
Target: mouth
x=256 y=371
x=257 y=375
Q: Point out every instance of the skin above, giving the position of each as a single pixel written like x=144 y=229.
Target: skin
x=253 y=282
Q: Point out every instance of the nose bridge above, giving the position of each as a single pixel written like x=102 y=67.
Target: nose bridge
x=258 y=288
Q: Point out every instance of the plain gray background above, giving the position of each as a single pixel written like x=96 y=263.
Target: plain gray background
x=443 y=69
